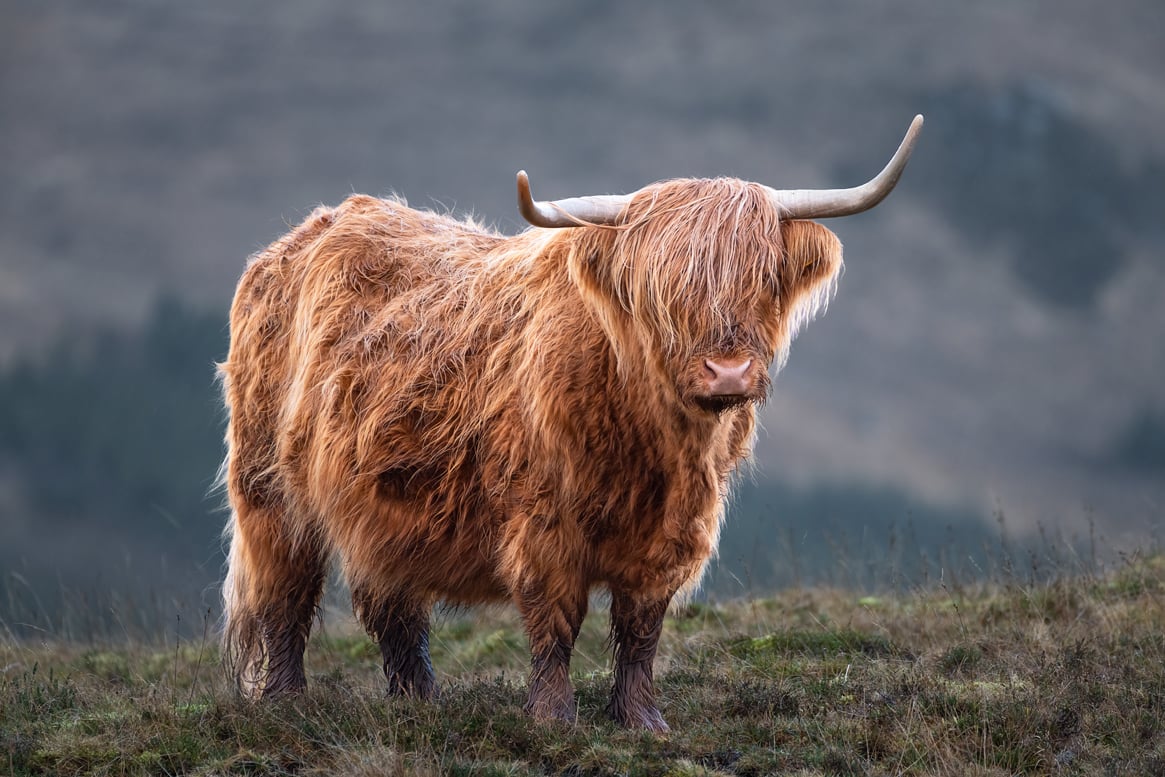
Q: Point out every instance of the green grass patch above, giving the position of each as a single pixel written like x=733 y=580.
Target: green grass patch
x=821 y=644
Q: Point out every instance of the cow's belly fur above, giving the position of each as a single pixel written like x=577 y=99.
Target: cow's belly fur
x=454 y=542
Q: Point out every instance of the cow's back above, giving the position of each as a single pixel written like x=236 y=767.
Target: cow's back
x=306 y=311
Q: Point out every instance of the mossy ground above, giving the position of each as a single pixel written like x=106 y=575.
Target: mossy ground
x=1066 y=677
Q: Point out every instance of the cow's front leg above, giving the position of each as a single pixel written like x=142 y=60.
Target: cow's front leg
x=635 y=628
x=552 y=618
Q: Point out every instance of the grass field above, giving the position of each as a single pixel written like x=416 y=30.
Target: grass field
x=1062 y=677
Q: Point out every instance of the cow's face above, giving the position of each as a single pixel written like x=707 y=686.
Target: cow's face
x=732 y=341
x=711 y=285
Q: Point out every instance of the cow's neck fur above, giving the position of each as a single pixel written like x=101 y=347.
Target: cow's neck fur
x=686 y=452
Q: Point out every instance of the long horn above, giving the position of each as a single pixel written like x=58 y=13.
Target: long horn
x=827 y=203
x=793 y=203
x=574 y=212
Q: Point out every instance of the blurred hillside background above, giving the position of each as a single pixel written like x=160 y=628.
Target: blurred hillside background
x=995 y=349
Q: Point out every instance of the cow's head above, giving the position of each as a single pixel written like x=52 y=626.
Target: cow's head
x=709 y=279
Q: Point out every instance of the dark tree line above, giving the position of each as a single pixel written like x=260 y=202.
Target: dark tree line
x=116 y=438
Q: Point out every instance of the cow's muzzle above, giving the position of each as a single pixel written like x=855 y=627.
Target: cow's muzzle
x=726 y=383
x=728 y=377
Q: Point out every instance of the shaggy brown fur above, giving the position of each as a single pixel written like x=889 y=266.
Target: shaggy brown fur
x=466 y=417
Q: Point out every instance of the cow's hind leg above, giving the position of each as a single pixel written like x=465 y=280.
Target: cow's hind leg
x=635 y=629
x=399 y=623
x=272 y=589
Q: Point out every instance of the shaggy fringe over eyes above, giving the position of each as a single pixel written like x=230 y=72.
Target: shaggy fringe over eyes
x=693 y=254
x=698 y=257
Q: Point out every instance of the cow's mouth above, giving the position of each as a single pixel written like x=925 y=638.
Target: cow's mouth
x=718 y=403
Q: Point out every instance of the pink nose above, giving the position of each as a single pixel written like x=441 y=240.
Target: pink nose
x=727 y=378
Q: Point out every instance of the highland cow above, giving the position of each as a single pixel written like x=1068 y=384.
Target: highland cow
x=459 y=416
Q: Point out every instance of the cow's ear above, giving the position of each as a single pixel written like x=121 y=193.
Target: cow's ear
x=812 y=252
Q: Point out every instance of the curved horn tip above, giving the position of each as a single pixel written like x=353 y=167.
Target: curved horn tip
x=526 y=205
x=912 y=132
x=911 y=137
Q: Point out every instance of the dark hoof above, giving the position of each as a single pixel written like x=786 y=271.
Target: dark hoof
x=647 y=719
x=544 y=711
x=282 y=689
x=422 y=691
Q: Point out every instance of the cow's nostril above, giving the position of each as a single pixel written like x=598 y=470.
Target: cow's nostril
x=727 y=377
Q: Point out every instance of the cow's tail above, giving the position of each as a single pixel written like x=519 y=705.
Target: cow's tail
x=243 y=651
x=271 y=594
